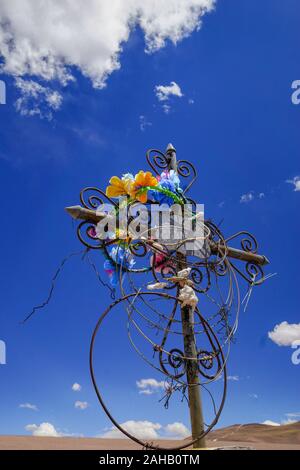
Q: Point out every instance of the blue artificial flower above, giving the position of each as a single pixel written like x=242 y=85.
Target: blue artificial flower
x=110 y=269
x=168 y=180
x=119 y=256
x=122 y=256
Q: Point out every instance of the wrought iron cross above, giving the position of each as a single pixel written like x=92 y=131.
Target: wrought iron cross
x=220 y=262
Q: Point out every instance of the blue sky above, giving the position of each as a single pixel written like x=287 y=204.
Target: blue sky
x=237 y=124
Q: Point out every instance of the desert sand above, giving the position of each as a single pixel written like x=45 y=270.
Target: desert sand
x=251 y=436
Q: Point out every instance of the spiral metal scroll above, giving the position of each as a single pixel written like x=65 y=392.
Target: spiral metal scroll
x=153 y=318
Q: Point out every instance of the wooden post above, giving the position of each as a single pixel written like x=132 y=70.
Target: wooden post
x=190 y=347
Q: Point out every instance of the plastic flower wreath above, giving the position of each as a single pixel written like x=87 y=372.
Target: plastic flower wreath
x=164 y=189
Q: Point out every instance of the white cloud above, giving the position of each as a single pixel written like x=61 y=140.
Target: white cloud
x=253 y=395
x=288 y=421
x=43 y=429
x=45 y=38
x=164 y=93
x=285 y=334
x=81 y=405
x=284 y=422
x=293 y=415
x=166 y=108
x=28 y=406
x=248 y=197
x=36 y=99
x=76 y=387
x=234 y=378
x=147 y=391
x=150 y=386
x=148 y=430
x=177 y=431
x=268 y=422
x=144 y=123
x=141 y=429
x=296 y=182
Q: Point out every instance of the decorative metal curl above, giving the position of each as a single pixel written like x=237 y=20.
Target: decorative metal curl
x=197 y=277
x=85 y=233
x=254 y=273
x=159 y=161
x=248 y=243
x=94 y=200
x=186 y=169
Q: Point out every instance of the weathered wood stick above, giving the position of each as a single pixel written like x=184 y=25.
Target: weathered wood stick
x=238 y=254
x=81 y=213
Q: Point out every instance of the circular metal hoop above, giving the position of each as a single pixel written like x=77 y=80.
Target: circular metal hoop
x=145 y=444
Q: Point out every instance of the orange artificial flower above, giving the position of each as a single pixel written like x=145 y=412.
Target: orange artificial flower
x=142 y=179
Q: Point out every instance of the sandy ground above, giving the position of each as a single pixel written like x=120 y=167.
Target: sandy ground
x=253 y=436
x=54 y=443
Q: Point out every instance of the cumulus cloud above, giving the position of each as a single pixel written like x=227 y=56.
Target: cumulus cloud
x=150 y=386
x=45 y=38
x=288 y=421
x=295 y=182
x=36 y=99
x=268 y=422
x=28 y=406
x=43 y=429
x=148 y=430
x=177 y=431
x=76 y=387
x=283 y=422
x=293 y=415
x=248 y=197
x=140 y=429
x=285 y=334
x=164 y=93
x=81 y=405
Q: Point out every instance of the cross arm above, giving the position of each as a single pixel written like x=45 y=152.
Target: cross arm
x=81 y=213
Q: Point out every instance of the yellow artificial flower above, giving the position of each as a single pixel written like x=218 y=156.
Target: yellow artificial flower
x=142 y=179
x=118 y=187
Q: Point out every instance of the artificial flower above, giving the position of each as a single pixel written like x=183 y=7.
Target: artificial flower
x=110 y=269
x=142 y=180
x=119 y=186
x=170 y=177
x=122 y=256
x=169 y=181
x=119 y=257
x=162 y=263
